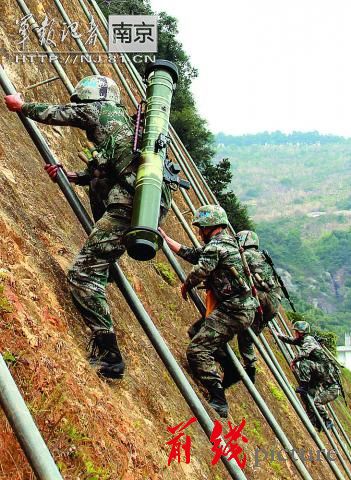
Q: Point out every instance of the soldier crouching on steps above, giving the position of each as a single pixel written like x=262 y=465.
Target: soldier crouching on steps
x=96 y=109
x=315 y=371
x=218 y=264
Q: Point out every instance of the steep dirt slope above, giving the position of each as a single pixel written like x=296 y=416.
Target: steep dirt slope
x=96 y=429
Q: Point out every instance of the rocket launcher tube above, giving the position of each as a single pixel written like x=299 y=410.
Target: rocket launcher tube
x=143 y=239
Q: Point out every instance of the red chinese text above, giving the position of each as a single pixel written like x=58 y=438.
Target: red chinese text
x=176 y=444
x=228 y=446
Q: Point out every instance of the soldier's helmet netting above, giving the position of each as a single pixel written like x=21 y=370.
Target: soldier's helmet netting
x=248 y=238
x=96 y=87
x=210 y=216
x=302 y=327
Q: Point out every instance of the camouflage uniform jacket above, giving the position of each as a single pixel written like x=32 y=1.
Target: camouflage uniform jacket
x=309 y=348
x=212 y=266
x=109 y=127
x=262 y=272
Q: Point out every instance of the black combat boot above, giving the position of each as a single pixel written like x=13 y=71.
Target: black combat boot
x=251 y=372
x=105 y=354
x=218 y=401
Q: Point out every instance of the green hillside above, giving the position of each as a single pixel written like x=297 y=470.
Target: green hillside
x=297 y=190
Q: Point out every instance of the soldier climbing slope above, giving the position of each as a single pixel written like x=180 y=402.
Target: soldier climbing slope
x=219 y=266
x=316 y=373
x=96 y=109
x=268 y=292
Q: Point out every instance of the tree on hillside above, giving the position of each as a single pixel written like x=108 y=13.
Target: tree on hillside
x=196 y=137
x=219 y=175
x=218 y=178
x=125 y=7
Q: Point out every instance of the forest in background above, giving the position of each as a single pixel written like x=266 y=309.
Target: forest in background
x=296 y=187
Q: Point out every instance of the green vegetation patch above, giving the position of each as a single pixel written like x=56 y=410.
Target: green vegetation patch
x=9 y=358
x=5 y=304
x=276 y=392
x=166 y=273
x=275 y=466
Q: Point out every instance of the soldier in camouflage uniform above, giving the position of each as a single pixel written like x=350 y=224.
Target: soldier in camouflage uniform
x=219 y=266
x=110 y=174
x=268 y=292
x=316 y=373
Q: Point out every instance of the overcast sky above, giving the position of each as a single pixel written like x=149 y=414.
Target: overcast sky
x=269 y=64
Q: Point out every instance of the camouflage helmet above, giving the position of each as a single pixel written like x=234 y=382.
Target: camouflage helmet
x=96 y=87
x=302 y=326
x=248 y=238
x=210 y=216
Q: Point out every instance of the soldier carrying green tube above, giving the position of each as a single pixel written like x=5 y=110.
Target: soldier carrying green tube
x=111 y=174
x=143 y=239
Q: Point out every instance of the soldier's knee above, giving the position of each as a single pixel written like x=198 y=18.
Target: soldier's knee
x=78 y=283
x=197 y=354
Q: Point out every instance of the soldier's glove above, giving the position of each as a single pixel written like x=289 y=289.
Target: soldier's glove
x=14 y=102
x=184 y=290
x=52 y=171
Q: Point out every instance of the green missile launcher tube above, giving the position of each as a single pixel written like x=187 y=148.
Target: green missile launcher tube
x=143 y=239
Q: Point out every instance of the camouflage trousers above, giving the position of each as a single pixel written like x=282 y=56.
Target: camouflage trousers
x=89 y=274
x=323 y=388
x=207 y=346
x=270 y=304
